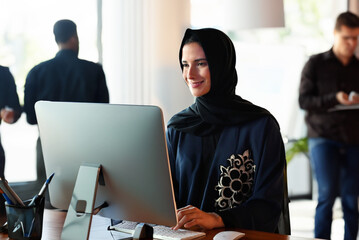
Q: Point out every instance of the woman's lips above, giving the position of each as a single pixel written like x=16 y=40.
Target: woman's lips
x=196 y=84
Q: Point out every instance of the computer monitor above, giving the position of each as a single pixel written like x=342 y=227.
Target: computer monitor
x=129 y=143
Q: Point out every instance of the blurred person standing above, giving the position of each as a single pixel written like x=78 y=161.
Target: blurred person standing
x=329 y=79
x=63 y=78
x=9 y=105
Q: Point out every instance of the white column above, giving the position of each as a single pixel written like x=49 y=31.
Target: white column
x=353 y=6
x=141 y=40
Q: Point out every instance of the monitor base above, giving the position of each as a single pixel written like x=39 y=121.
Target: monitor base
x=80 y=211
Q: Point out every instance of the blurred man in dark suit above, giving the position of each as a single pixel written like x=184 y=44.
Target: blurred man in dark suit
x=9 y=106
x=63 y=78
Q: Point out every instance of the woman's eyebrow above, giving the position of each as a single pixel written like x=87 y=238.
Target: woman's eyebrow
x=200 y=59
x=196 y=60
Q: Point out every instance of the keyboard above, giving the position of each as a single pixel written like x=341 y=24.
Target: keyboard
x=159 y=231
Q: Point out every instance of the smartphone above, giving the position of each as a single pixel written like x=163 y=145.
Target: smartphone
x=352 y=94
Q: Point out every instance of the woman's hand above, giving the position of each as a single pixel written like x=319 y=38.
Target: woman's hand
x=191 y=217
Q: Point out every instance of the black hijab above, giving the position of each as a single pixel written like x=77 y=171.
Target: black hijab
x=220 y=106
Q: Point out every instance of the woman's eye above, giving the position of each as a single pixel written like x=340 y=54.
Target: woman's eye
x=202 y=64
x=185 y=64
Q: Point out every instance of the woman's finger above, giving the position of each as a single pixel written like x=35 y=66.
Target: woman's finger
x=185 y=217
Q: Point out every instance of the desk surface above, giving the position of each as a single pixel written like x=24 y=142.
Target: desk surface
x=53 y=222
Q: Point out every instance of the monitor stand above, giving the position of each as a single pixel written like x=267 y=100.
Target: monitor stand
x=81 y=208
x=80 y=211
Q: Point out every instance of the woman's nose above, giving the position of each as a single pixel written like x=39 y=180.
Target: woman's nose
x=191 y=72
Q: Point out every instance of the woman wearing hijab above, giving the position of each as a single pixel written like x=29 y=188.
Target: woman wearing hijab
x=226 y=154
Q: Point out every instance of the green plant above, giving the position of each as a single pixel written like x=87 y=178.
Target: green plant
x=295 y=147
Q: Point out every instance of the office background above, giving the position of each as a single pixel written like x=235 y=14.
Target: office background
x=137 y=42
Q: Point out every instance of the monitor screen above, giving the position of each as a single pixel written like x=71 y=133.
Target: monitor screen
x=129 y=143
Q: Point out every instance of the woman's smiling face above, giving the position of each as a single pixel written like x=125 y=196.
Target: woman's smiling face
x=195 y=69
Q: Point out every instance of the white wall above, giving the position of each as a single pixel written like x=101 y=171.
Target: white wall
x=141 y=40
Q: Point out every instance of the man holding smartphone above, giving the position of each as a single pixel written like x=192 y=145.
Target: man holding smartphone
x=329 y=79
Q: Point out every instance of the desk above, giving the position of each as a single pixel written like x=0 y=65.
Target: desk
x=54 y=220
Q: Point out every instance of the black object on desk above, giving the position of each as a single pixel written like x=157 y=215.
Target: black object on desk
x=143 y=231
x=25 y=222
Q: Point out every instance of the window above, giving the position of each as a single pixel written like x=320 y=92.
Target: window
x=26 y=39
x=270 y=61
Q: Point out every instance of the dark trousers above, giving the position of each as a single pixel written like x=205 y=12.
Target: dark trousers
x=2 y=161
x=41 y=172
x=2 y=168
x=336 y=167
x=40 y=165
